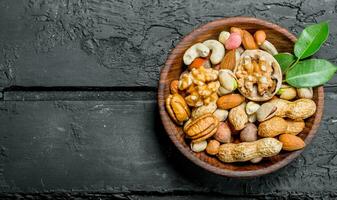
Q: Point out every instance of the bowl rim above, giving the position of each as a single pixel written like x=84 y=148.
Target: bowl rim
x=205 y=165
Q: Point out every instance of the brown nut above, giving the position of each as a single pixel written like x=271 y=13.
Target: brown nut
x=213 y=147
x=295 y=127
x=249 y=133
x=174 y=86
x=260 y=36
x=177 y=108
x=230 y=101
x=201 y=128
x=229 y=61
x=266 y=111
x=238 y=117
x=248 y=40
x=291 y=142
x=223 y=134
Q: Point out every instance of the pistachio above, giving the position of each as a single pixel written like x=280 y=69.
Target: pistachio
x=306 y=93
x=252 y=107
x=198 y=111
x=221 y=114
x=198 y=146
x=227 y=79
x=252 y=118
x=266 y=111
x=222 y=91
x=287 y=92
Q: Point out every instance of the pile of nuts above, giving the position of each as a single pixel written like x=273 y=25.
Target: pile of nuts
x=231 y=101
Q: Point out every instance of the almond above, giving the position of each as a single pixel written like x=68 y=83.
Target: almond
x=236 y=30
x=260 y=36
x=230 y=101
x=229 y=60
x=248 y=40
x=291 y=142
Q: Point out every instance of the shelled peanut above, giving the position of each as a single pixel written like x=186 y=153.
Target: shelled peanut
x=226 y=99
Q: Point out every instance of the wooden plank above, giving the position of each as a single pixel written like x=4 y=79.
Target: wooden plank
x=120 y=147
x=122 y=43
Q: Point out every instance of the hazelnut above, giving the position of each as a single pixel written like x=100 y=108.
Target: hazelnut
x=213 y=147
x=223 y=134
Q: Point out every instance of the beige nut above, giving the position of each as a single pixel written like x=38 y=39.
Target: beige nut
x=227 y=79
x=287 y=92
x=256 y=160
x=177 y=108
x=217 y=51
x=266 y=111
x=305 y=93
x=252 y=118
x=199 y=146
x=246 y=151
x=269 y=47
x=238 y=117
x=223 y=37
x=252 y=107
x=195 y=51
x=221 y=114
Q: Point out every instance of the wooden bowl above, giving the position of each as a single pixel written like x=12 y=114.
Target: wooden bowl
x=284 y=41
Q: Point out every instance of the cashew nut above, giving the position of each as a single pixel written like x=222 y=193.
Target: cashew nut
x=269 y=47
x=195 y=51
x=224 y=35
x=218 y=51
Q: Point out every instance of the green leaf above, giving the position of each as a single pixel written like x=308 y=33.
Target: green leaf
x=310 y=73
x=311 y=39
x=285 y=60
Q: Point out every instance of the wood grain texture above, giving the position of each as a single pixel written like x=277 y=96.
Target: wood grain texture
x=283 y=40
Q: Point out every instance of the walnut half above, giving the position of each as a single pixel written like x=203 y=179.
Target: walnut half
x=258 y=74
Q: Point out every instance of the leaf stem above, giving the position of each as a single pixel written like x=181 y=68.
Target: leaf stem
x=291 y=66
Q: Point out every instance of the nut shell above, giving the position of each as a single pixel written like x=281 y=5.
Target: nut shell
x=201 y=128
x=245 y=151
x=258 y=75
x=238 y=117
x=177 y=108
x=272 y=127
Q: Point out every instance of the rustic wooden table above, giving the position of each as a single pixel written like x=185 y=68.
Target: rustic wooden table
x=78 y=112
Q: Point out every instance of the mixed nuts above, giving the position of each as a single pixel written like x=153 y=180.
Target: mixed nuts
x=232 y=100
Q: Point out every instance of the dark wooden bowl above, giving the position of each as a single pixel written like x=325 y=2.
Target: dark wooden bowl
x=284 y=41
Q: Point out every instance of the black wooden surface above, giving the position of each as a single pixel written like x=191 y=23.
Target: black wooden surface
x=78 y=115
